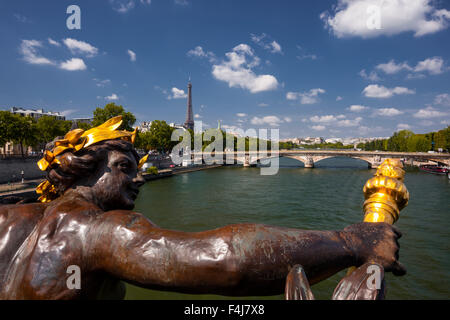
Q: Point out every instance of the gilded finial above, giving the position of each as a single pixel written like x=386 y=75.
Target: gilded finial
x=385 y=194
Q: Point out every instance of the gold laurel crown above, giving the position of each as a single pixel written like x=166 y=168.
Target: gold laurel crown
x=76 y=140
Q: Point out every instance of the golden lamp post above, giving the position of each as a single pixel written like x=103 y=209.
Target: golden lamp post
x=385 y=196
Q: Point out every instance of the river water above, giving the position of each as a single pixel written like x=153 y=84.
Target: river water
x=328 y=197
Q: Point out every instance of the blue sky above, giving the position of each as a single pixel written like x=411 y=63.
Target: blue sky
x=338 y=68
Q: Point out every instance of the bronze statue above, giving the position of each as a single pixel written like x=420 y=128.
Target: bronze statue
x=85 y=220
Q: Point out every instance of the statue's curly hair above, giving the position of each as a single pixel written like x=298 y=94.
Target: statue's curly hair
x=77 y=165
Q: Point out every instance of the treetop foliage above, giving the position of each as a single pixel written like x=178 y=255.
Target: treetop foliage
x=101 y=115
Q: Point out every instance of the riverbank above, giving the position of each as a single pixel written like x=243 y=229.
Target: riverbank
x=180 y=170
x=16 y=192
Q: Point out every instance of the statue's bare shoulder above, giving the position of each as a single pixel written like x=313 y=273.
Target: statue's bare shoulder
x=16 y=223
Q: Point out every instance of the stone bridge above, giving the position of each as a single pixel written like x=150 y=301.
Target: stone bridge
x=310 y=157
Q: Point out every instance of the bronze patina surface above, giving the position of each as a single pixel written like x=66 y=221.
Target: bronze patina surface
x=89 y=223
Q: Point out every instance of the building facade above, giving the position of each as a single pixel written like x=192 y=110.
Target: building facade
x=36 y=114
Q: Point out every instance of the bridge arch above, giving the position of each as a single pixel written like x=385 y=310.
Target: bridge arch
x=253 y=160
x=309 y=161
x=366 y=160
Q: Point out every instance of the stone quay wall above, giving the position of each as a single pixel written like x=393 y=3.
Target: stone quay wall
x=11 y=168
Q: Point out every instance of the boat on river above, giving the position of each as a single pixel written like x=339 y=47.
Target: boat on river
x=433 y=168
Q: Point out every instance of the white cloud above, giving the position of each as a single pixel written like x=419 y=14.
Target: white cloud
x=307 y=56
x=442 y=99
x=292 y=95
x=200 y=53
x=429 y=112
x=241 y=114
x=391 y=67
x=318 y=128
x=373 y=76
x=339 y=98
x=403 y=126
x=80 y=47
x=237 y=72
x=177 y=94
x=132 y=55
x=276 y=48
x=273 y=121
x=309 y=97
x=323 y=119
x=415 y=76
x=376 y=91
x=122 y=6
x=387 y=112
x=73 y=64
x=197 y=116
x=30 y=55
x=349 y=122
x=68 y=112
x=357 y=108
x=101 y=83
x=244 y=48
x=265 y=42
x=304 y=54
x=354 y=18
x=21 y=18
x=263 y=104
x=112 y=97
x=433 y=66
x=338 y=120
x=54 y=42
x=288 y=119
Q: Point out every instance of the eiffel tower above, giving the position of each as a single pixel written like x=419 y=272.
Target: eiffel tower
x=189 y=123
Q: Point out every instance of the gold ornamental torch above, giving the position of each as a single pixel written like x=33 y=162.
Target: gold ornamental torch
x=385 y=196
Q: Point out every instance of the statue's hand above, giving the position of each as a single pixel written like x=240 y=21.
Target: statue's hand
x=376 y=242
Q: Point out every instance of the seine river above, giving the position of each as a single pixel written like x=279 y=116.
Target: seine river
x=328 y=197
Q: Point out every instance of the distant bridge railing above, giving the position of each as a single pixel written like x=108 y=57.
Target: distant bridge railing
x=309 y=157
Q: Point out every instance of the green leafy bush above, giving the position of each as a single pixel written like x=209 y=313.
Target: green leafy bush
x=152 y=170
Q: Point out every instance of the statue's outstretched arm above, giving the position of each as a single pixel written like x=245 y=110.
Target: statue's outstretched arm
x=240 y=259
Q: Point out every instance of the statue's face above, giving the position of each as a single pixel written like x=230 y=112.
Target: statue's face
x=117 y=181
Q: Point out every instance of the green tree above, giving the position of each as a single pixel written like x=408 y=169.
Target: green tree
x=447 y=138
x=24 y=132
x=83 y=125
x=7 y=122
x=399 y=140
x=18 y=129
x=49 y=128
x=440 y=139
x=111 y=110
x=422 y=144
x=157 y=138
